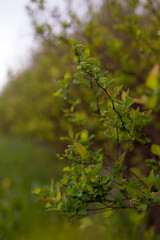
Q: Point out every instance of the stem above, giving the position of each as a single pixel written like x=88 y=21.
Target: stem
x=134 y=174
x=92 y=87
x=112 y=102
x=114 y=108
x=117 y=153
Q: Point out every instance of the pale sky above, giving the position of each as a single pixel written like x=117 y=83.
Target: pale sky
x=16 y=37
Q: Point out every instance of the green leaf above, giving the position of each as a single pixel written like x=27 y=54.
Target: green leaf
x=66 y=169
x=59 y=206
x=133 y=114
x=105 y=180
x=90 y=188
x=124 y=95
x=102 y=72
x=70 y=132
x=58 y=93
x=116 y=91
x=155 y=149
x=132 y=192
x=48 y=205
x=136 y=171
x=81 y=150
x=152 y=80
x=37 y=191
x=58 y=194
x=142 y=207
x=157 y=199
x=128 y=102
x=83 y=179
x=84 y=137
x=97 y=167
x=121 y=159
x=151 y=177
x=66 y=79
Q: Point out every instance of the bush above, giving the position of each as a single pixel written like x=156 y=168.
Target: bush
x=99 y=178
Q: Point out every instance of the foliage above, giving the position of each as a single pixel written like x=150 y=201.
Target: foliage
x=23 y=166
x=30 y=109
x=93 y=183
x=109 y=163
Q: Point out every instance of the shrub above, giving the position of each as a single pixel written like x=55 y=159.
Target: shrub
x=100 y=174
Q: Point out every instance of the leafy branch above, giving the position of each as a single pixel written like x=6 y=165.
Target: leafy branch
x=88 y=186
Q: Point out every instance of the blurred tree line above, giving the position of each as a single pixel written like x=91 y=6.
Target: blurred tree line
x=124 y=35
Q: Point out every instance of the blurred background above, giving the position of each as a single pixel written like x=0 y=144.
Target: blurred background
x=125 y=36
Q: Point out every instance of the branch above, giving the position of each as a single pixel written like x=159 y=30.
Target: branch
x=92 y=87
x=114 y=108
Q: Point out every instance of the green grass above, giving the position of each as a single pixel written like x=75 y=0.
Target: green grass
x=23 y=165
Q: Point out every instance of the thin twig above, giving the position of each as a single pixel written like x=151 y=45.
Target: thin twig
x=114 y=108
x=117 y=153
x=97 y=102
x=134 y=174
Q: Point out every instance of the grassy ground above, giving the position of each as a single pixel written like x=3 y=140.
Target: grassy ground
x=23 y=165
